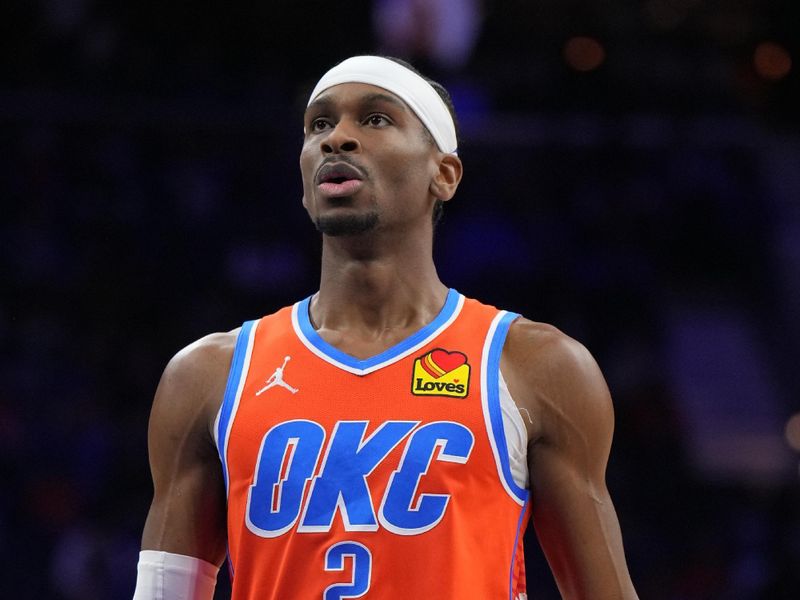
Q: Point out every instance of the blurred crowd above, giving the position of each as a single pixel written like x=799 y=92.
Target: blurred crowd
x=632 y=175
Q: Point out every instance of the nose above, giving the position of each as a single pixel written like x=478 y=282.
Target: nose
x=340 y=139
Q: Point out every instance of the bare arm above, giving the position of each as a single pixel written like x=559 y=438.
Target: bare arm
x=560 y=384
x=187 y=515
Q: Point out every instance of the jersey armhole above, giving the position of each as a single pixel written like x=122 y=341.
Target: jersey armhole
x=515 y=433
x=494 y=408
x=233 y=392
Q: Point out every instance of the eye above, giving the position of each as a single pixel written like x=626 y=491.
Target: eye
x=319 y=124
x=377 y=120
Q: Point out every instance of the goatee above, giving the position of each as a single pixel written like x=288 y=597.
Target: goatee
x=347 y=225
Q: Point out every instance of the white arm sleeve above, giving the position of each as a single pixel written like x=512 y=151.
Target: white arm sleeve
x=167 y=576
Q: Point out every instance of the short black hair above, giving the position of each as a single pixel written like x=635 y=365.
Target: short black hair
x=438 y=207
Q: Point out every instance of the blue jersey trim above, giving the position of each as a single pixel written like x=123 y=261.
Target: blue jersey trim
x=304 y=321
x=520 y=523
x=231 y=390
x=493 y=401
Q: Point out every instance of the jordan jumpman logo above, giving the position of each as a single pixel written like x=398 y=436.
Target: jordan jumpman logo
x=277 y=379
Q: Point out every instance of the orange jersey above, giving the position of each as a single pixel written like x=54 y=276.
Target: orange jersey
x=382 y=478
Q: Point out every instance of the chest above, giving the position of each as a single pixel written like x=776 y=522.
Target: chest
x=310 y=439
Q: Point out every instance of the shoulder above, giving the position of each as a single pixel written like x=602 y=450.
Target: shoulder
x=207 y=352
x=533 y=337
x=203 y=360
x=545 y=350
x=194 y=380
x=555 y=377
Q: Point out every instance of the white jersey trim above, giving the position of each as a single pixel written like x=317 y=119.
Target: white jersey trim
x=516 y=436
x=508 y=452
x=240 y=365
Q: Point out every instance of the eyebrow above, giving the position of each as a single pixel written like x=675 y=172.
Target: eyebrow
x=326 y=103
x=378 y=97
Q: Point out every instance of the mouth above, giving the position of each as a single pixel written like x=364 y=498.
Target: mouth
x=338 y=179
x=338 y=172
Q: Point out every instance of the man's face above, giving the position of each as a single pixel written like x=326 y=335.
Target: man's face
x=367 y=161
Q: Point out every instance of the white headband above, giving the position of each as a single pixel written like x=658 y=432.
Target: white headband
x=417 y=93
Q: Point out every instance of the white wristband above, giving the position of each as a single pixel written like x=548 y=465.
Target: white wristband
x=167 y=576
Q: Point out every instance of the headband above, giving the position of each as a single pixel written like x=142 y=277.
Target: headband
x=417 y=93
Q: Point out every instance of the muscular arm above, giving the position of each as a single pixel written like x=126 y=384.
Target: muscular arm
x=558 y=381
x=187 y=515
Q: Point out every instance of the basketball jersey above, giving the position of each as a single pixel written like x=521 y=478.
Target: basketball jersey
x=398 y=476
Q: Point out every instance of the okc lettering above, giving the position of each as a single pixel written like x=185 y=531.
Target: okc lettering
x=288 y=459
x=429 y=386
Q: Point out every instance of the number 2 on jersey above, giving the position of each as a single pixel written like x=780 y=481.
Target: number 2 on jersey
x=362 y=570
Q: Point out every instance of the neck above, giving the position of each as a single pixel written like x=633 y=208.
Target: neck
x=372 y=288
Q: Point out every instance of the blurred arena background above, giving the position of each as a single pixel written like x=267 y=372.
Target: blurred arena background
x=632 y=176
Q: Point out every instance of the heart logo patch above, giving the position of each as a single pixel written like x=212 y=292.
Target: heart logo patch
x=441 y=372
x=439 y=362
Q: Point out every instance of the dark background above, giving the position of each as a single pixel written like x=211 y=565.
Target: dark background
x=632 y=176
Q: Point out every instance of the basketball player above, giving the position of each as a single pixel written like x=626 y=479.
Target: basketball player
x=386 y=437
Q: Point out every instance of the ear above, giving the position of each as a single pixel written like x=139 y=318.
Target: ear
x=447 y=177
